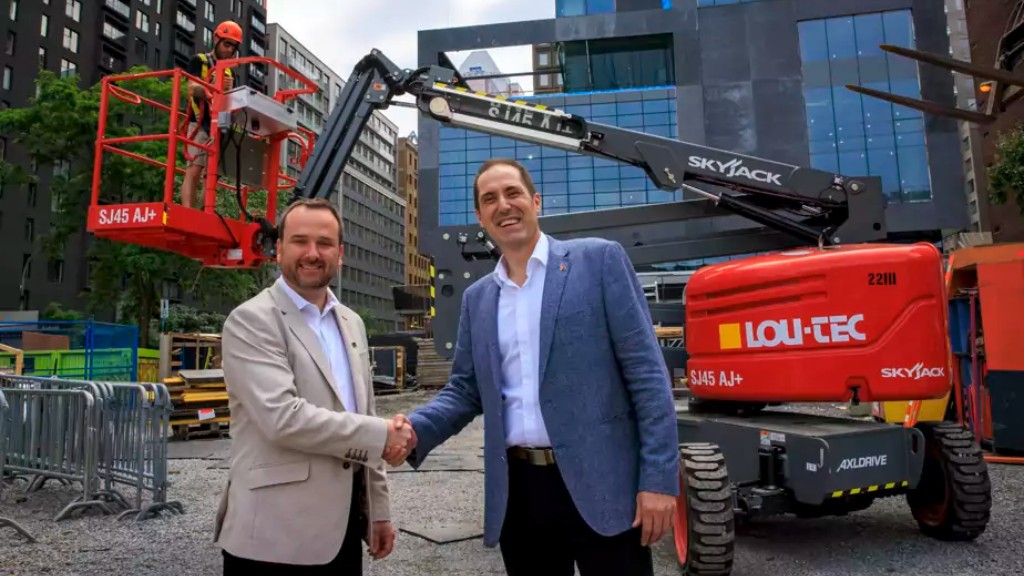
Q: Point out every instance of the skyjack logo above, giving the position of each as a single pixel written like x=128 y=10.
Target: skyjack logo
x=735 y=168
x=916 y=372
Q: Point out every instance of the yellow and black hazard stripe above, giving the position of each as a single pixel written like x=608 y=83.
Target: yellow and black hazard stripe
x=889 y=486
x=505 y=99
x=432 y=293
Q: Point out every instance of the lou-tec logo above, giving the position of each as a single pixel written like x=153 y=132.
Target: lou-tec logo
x=791 y=332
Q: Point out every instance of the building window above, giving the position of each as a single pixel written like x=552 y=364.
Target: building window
x=569 y=182
x=67 y=68
x=705 y=3
x=617 y=63
x=583 y=7
x=55 y=271
x=44 y=25
x=8 y=74
x=70 y=40
x=73 y=10
x=142 y=21
x=853 y=134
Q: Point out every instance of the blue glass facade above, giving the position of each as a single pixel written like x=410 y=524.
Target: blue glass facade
x=565 y=8
x=855 y=134
x=703 y=3
x=567 y=182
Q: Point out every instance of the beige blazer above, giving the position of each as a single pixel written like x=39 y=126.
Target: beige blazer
x=294 y=447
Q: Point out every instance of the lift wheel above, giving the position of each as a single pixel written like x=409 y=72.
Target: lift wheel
x=953 y=500
x=704 y=527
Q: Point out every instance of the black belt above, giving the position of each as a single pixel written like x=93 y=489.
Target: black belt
x=535 y=456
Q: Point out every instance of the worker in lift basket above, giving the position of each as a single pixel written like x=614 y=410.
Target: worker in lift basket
x=226 y=40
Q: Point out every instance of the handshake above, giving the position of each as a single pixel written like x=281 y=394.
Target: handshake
x=401 y=440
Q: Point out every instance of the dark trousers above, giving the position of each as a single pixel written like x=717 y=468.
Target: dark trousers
x=348 y=562
x=544 y=534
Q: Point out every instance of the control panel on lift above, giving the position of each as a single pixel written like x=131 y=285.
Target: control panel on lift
x=260 y=114
x=262 y=117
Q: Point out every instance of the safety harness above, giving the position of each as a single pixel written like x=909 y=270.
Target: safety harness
x=197 y=111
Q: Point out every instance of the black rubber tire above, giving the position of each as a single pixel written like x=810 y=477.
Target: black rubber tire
x=953 y=499
x=705 y=524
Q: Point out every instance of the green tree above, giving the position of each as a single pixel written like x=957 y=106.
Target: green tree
x=58 y=130
x=1006 y=175
x=54 y=311
x=374 y=325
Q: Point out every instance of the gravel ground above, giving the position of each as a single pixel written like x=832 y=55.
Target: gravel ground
x=881 y=540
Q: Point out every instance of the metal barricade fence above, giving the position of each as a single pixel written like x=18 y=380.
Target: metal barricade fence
x=127 y=446
x=4 y=415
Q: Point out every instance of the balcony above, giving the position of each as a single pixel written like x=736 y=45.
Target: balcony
x=185 y=23
x=256 y=73
x=183 y=47
x=258 y=26
x=119 y=7
x=111 y=63
x=113 y=31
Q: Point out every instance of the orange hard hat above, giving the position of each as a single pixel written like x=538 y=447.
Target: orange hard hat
x=228 y=30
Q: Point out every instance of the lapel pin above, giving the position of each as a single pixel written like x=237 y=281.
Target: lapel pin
x=562 y=267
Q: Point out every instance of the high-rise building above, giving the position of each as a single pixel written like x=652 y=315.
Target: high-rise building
x=547 y=77
x=91 y=38
x=417 y=266
x=975 y=177
x=373 y=211
x=996 y=31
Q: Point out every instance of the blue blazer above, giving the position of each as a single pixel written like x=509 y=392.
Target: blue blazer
x=605 y=391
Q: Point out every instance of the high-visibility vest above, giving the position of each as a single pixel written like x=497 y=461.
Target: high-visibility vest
x=205 y=76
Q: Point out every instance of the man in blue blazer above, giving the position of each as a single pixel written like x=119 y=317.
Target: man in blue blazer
x=557 y=349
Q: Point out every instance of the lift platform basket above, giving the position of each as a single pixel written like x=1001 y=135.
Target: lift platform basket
x=244 y=166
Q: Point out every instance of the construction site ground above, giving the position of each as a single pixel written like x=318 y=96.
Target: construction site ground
x=439 y=511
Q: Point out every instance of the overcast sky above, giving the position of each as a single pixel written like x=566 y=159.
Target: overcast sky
x=340 y=32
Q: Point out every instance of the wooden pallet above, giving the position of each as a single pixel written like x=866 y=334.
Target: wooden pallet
x=432 y=371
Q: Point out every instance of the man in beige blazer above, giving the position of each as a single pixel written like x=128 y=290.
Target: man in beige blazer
x=307 y=480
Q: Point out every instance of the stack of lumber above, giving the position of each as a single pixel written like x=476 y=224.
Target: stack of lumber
x=200 y=401
x=432 y=370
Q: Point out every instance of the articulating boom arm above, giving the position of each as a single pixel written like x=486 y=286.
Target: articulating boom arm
x=811 y=206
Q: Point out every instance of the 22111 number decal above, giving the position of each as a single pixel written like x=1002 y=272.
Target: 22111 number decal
x=881 y=278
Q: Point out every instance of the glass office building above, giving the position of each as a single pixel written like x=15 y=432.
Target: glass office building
x=853 y=134
x=625 y=82
x=760 y=78
x=630 y=82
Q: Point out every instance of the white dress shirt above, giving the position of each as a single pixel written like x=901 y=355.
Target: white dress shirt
x=519 y=347
x=328 y=333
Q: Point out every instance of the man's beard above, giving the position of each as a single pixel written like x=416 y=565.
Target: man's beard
x=306 y=282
